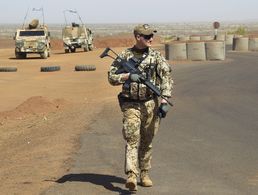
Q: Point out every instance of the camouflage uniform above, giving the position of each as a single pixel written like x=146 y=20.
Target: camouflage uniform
x=139 y=105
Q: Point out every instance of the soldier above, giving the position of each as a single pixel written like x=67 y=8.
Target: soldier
x=139 y=105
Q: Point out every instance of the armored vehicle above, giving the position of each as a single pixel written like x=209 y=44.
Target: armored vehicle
x=33 y=39
x=77 y=36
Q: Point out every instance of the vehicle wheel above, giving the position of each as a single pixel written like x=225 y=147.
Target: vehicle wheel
x=73 y=50
x=19 y=55
x=86 y=48
x=8 y=69
x=48 y=53
x=66 y=50
x=49 y=68
x=90 y=47
x=85 y=68
x=44 y=54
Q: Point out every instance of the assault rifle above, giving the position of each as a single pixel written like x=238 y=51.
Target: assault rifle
x=130 y=66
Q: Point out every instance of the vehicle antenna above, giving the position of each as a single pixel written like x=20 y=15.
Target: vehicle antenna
x=42 y=12
x=43 y=15
x=79 y=17
x=65 y=17
x=25 y=17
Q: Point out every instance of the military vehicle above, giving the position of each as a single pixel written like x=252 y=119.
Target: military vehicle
x=33 y=39
x=76 y=35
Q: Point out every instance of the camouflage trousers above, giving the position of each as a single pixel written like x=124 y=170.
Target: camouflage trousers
x=140 y=124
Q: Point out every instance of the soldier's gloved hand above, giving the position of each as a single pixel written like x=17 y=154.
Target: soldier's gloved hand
x=135 y=78
x=163 y=110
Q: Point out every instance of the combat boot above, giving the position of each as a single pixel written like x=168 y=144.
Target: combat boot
x=145 y=179
x=131 y=181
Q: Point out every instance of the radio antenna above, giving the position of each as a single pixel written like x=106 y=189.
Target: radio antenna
x=25 y=17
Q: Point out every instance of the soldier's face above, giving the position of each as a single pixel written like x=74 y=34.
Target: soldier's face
x=144 y=41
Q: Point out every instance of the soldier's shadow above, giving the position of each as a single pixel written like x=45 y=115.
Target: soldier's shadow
x=97 y=179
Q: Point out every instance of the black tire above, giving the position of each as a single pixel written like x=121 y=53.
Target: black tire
x=91 y=47
x=85 y=68
x=24 y=55
x=8 y=69
x=49 y=54
x=19 y=55
x=86 y=48
x=50 y=68
x=44 y=54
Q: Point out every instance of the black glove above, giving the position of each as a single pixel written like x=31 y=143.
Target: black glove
x=135 y=78
x=163 y=109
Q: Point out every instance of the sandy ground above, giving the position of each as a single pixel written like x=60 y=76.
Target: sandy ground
x=42 y=114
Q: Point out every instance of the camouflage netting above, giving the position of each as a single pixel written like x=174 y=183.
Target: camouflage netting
x=34 y=24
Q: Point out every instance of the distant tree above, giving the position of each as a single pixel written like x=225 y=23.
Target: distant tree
x=239 y=31
x=169 y=38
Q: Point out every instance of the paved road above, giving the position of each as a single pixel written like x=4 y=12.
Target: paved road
x=207 y=144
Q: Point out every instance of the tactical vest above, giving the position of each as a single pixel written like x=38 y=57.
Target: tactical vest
x=148 y=67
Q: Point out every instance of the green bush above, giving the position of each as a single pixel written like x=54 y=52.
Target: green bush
x=169 y=38
x=239 y=31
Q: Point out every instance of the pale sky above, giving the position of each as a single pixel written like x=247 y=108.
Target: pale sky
x=133 y=11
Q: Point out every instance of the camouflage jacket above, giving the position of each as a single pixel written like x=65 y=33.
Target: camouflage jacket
x=154 y=67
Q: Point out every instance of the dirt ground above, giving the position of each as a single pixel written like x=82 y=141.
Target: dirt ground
x=42 y=114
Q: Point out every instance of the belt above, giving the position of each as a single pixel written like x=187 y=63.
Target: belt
x=126 y=99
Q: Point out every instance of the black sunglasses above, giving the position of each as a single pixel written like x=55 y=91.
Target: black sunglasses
x=147 y=37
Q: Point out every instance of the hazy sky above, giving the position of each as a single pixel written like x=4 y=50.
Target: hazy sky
x=133 y=11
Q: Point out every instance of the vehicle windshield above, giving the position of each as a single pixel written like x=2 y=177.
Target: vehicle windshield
x=32 y=33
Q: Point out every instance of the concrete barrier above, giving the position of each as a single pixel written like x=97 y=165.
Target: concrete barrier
x=215 y=50
x=195 y=38
x=196 y=51
x=183 y=38
x=253 y=44
x=207 y=37
x=221 y=37
x=229 y=39
x=237 y=36
x=175 y=51
x=240 y=44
